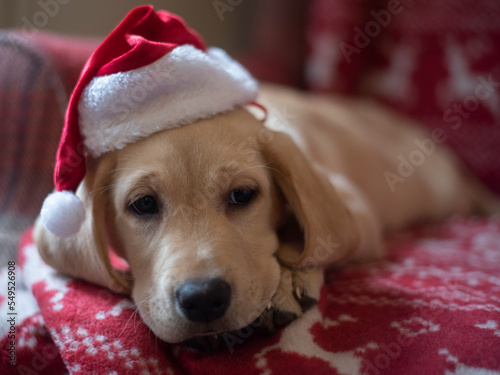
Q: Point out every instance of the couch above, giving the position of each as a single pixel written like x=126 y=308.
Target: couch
x=431 y=306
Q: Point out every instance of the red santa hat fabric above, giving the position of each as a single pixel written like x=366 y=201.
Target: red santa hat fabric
x=152 y=73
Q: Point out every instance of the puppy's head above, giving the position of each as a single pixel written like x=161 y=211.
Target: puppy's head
x=205 y=214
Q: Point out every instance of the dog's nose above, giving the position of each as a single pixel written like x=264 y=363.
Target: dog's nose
x=203 y=300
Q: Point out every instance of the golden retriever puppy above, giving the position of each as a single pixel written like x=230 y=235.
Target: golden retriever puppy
x=229 y=220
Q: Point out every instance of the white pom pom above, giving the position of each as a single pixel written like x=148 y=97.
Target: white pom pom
x=62 y=213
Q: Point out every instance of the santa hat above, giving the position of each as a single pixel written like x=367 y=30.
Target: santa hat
x=152 y=73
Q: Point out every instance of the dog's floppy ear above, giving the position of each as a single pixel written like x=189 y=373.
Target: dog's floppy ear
x=85 y=255
x=328 y=231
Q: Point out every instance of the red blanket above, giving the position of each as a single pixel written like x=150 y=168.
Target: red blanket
x=431 y=307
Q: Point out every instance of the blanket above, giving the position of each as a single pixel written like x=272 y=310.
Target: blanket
x=432 y=306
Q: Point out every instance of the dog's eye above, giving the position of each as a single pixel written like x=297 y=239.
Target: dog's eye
x=241 y=196
x=145 y=206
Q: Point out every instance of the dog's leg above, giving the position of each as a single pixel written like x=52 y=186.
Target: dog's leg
x=299 y=289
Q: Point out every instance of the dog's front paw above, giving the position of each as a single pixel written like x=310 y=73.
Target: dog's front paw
x=298 y=291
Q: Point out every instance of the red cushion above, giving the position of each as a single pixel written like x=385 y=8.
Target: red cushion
x=437 y=61
x=431 y=307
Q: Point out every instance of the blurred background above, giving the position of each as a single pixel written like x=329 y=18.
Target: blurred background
x=97 y=18
x=267 y=35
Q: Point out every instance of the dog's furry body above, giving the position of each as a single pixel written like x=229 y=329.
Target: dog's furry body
x=320 y=198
